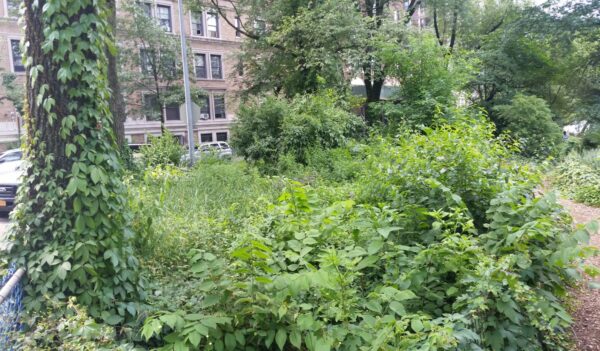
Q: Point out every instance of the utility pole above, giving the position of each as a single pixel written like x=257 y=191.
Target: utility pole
x=186 y=86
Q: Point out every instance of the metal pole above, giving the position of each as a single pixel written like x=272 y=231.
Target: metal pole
x=186 y=86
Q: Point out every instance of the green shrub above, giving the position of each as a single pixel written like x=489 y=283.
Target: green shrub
x=430 y=78
x=579 y=180
x=68 y=327
x=591 y=139
x=528 y=119
x=163 y=150
x=270 y=127
x=396 y=260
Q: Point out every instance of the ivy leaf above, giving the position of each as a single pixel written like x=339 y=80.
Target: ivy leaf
x=113 y=319
x=71 y=187
x=63 y=269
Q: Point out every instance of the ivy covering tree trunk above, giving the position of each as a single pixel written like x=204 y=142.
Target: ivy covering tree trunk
x=71 y=224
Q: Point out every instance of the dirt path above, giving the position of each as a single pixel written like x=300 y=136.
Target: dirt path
x=586 y=328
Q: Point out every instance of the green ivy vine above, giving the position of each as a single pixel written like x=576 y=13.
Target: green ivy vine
x=71 y=228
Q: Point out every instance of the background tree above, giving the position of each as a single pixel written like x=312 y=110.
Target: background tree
x=294 y=47
x=71 y=223
x=529 y=120
x=150 y=63
x=117 y=103
x=14 y=91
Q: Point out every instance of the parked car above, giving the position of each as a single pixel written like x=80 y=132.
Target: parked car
x=10 y=179
x=11 y=155
x=219 y=148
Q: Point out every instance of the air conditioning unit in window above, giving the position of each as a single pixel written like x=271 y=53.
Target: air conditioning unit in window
x=204 y=116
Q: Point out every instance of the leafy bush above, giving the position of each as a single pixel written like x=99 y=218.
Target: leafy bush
x=529 y=120
x=578 y=179
x=591 y=138
x=67 y=327
x=270 y=127
x=163 y=150
x=395 y=261
x=430 y=78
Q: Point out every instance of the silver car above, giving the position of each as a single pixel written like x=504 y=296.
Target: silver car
x=10 y=179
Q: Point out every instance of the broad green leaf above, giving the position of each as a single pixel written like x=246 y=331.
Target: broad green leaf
x=280 y=338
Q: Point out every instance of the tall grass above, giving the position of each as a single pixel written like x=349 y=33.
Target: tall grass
x=203 y=208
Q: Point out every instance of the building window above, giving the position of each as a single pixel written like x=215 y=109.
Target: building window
x=172 y=112
x=205 y=108
x=396 y=15
x=222 y=136
x=17 y=57
x=146 y=61
x=146 y=8
x=238 y=27
x=216 y=67
x=163 y=14
x=179 y=139
x=219 y=101
x=260 y=26
x=206 y=137
x=13 y=8
x=212 y=24
x=240 y=68
x=200 y=64
x=197 y=24
x=151 y=108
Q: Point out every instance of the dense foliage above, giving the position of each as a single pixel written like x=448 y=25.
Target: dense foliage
x=437 y=242
x=269 y=128
x=71 y=229
x=578 y=177
x=163 y=150
x=528 y=119
x=430 y=79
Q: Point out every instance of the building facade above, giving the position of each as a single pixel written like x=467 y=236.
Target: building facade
x=213 y=44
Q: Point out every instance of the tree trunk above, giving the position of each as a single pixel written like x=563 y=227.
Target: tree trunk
x=71 y=221
x=117 y=104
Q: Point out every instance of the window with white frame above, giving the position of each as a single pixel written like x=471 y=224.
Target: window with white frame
x=12 y=7
x=216 y=67
x=221 y=136
x=219 y=100
x=17 y=56
x=238 y=27
x=260 y=26
x=205 y=108
x=198 y=24
x=146 y=8
x=206 y=137
x=146 y=61
x=172 y=112
x=200 y=64
x=212 y=25
x=163 y=15
x=151 y=107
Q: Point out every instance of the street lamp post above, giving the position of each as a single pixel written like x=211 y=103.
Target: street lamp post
x=186 y=85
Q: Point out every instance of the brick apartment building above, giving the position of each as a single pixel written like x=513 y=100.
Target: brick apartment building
x=213 y=44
